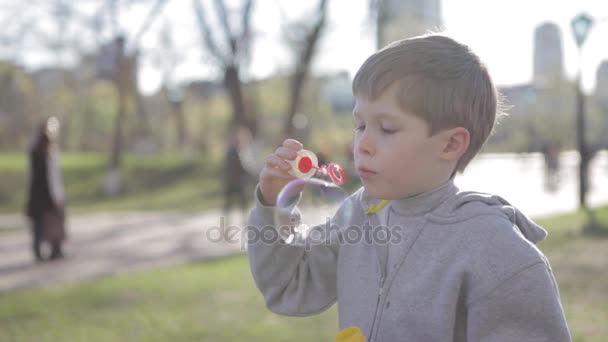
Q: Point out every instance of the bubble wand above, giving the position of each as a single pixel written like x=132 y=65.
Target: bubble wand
x=306 y=165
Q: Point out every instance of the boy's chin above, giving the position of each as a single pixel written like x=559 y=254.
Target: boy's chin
x=376 y=193
x=384 y=194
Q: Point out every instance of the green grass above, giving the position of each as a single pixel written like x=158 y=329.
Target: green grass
x=218 y=301
x=580 y=264
x=151 y=183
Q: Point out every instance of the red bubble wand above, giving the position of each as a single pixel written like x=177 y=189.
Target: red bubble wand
x=306 y=165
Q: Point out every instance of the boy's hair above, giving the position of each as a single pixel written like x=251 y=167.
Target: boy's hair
x=440 y=80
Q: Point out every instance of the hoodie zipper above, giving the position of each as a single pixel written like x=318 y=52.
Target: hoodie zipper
x=383 y=276
x=371 y=330
x=374 y=329
x=380 y=289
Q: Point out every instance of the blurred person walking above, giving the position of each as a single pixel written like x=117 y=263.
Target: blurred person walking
x=237 y=176
x=551 y=153
x=46 y=201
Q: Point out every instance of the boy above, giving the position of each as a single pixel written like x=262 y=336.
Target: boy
x=460 y=266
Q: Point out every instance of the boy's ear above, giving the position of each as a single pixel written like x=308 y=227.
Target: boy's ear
x=455 y=143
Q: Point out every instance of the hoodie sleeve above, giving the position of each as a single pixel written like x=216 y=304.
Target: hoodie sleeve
x=299 y=278
x=525 y=307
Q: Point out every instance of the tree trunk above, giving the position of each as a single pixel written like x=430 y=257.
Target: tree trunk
x=113 y=182
x=295 y=96
x=117 y=142
x=582 y=145
x=183 y=139
x=232 y=82
x=302 y=71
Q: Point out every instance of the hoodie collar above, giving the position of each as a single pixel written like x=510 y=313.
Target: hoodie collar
x=422 y=203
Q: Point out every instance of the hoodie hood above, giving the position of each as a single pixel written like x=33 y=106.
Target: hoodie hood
x=467 y=204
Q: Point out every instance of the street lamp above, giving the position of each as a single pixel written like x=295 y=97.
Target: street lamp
x=581 y=25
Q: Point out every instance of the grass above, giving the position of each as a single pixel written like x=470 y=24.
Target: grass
x=580 y=264
x=151 y=183
x=218 y=301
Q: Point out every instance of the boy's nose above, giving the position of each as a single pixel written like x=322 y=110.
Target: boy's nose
x=366 y=144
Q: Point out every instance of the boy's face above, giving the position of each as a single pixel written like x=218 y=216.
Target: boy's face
x=394 y=155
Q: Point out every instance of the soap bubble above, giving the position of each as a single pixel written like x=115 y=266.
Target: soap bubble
x=318 y=202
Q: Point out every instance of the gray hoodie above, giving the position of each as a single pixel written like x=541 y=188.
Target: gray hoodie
x=449 y=266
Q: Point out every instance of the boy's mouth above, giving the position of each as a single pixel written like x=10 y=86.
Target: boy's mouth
x=365 y=173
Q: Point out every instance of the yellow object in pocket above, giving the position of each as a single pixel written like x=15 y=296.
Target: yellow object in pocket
x=350 y=334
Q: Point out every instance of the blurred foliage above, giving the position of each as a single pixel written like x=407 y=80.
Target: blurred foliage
x=536 y=115
x=152 y=183
x=87 y=109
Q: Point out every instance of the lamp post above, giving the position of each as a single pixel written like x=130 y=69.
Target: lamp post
x=581 y=25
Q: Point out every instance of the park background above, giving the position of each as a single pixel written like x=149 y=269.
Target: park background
x=148 y=93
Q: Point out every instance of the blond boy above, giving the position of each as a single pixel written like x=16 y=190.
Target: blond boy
x=458 y=266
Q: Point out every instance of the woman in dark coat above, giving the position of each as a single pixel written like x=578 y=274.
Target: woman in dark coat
x=45 y=204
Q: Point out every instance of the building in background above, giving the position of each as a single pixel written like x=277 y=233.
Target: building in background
x=548 y=54
x=548 y=74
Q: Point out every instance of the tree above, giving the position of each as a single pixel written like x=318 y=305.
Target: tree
x=74 y=30
x=378 y=13
x=306 y=37
x=230 y=54
x=45 y=27
x=16 y=102
x=123 y=73
x=168 y=59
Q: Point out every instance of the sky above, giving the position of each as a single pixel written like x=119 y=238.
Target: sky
x=500 y=31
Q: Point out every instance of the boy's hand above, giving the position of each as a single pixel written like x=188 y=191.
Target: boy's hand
x=274 y=175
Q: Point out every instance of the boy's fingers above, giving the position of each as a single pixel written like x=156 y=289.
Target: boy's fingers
x=292 y=144
x=271 y=172
x=286 y=153
x=275 y=161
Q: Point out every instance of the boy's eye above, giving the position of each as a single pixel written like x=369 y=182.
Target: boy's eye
x=359 y=128
x=388 y=130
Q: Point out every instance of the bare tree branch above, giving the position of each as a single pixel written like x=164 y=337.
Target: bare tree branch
x=245 y=37
x=222 y=14
x=206 y=33
x=232 y=60
x=303 y=65
x=154 y=12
